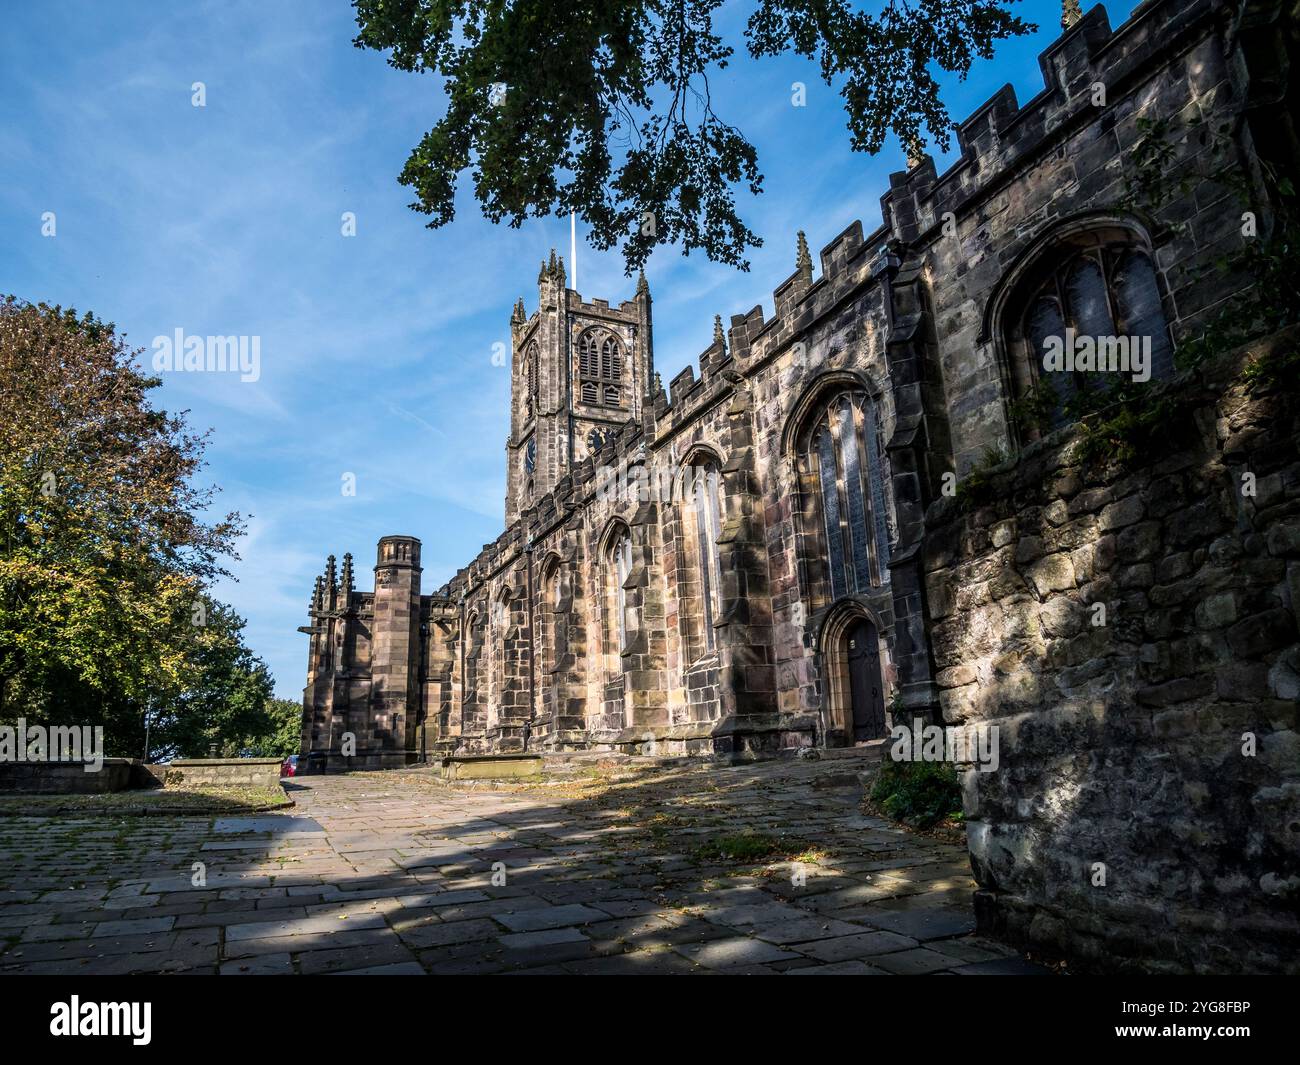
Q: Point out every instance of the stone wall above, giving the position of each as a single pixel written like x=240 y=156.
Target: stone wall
x=1132 y=634
x=256 y=772
x=67 y=778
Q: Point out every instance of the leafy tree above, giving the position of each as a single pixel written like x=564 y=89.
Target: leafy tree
x=223 y=697
x=543 y=98
x=104 y=552
x=284 y=730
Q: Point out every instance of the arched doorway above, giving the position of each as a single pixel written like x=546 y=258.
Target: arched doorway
x=857 y=668
x=866 y=686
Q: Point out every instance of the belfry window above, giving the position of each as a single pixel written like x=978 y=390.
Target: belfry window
x=1089 y=316
x=530 y=383
x=600 y=369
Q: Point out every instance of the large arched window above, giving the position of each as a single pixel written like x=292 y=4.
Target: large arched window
x=600 y=368
x=552 y=599
x=620 y=568
x=499 y=619
x=473 y=694
x=1098 y=285
x=704 y=524
x=845 y=530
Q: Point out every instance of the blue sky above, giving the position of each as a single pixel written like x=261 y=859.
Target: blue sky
x=376 y=350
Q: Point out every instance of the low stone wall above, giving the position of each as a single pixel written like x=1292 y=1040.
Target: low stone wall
x=491 y=766
x=1132 y=633
x=261 y=772
x=148 y=775
x=67 y=778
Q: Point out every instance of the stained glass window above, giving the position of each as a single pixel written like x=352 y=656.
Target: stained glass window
x=1104 y=291
x=707 y=531
x=846 y=453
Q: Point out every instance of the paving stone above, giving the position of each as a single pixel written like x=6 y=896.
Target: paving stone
x=542 y=938
x=265 y=965
x=633 y=963
x=1003 y=967
x=936 y=923
x=839 y=968
x=142 y=926
x=439 y=934
x=302 y=926
x=804 y=929
x=862 y=945
x=913 y=962
x=731 y=952
x=551 y=917
x=348 y=958
x=45 y=932
x=280 y=824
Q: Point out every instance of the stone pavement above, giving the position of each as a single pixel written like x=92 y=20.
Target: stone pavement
x=393 y=873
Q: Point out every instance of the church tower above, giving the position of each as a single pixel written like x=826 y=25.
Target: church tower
x=578 y=370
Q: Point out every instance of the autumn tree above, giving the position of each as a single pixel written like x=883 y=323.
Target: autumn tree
x=105 y=551
x=604 y=107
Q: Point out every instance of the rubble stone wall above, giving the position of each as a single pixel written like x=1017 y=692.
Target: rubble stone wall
x=1132 y=634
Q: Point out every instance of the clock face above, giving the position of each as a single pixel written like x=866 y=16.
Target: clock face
x=595 y=440
x=530 y=456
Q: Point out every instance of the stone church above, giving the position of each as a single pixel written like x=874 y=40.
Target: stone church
x=975 y=470
x=735 y=564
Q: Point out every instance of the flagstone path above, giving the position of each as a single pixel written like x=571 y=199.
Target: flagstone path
x=392 y=873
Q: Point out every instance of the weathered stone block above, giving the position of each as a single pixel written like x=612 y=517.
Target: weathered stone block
x=1262 y=633
x=1125 y=512
x=1054 y=573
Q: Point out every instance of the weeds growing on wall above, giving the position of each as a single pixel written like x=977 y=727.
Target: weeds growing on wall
x=1125 y=422
x=1267 y=258
x=977 y=486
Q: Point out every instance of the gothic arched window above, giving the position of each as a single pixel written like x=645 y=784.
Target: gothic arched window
x=1098 y=285
x=600 y=368
x=705 y=525
x=530 y=371
x=500 y=623
x=618 y=569
x=551 y=600
x=472 y=711
x=846 y=534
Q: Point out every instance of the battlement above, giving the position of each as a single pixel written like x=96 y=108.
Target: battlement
x=598 y=308
x=1000 y=137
